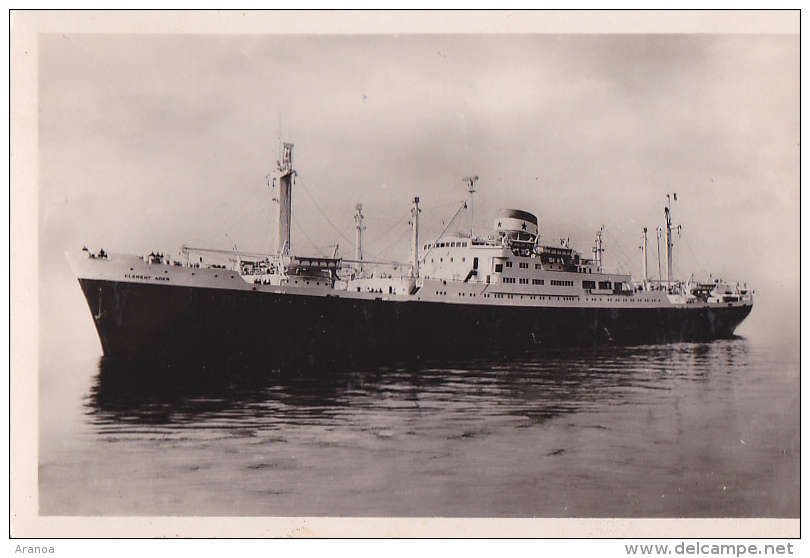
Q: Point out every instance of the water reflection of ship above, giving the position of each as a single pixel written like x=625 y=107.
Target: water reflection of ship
x=532 y=386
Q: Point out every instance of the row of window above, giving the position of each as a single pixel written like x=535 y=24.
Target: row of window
x=532 y=297
x=559 y=297
x=604 y=285
x=524 y=265
x=446 y=245
x=600 y=299
x=508 y=263
x=525 y=281
x=457 y=294
x=538 y=297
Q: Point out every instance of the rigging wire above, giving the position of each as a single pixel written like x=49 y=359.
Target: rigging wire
x=351 y=243
x=396 y=224
x=440 y=206
x=270 y=234
x=225 y=228
x=347 y=239
x=463 y=206
x=703 y=269
x=383 y=220
x=389 y=231
x=236 y=215
x=628 y=261
x=394 y=227
x=321 y=252
x=377 y=255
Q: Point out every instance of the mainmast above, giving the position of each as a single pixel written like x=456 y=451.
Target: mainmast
x=658 y=244
x=668 y=215
x=285 y=178
x=471 y=180
x=358 y=221
x=597 y=250
x=415 y=224
x=644 y=252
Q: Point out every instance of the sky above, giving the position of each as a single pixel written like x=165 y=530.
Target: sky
x=149 y=142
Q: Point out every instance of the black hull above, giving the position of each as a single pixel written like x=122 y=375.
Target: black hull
x=136 y=320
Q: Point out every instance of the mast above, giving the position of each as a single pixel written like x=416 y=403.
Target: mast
x=415 y=223
x=644 y=251
x=668 y=215
x=597 y=250
x=285 y=176
x=358 y=221
x=658 y=243
x=471 y=180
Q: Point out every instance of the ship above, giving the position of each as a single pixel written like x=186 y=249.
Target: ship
x=459 y=294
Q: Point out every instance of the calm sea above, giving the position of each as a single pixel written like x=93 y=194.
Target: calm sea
x=688 y=430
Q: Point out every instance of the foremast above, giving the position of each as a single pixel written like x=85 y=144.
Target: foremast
x=358 y=252
x=668 y=215
x=283 y=183
x=415 y=238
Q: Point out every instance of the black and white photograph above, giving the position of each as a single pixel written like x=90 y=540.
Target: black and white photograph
x=460 y=265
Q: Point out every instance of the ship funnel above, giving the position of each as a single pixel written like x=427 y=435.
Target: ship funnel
x=516 y=224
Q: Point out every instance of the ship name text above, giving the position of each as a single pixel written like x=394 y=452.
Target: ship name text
x=145 y=277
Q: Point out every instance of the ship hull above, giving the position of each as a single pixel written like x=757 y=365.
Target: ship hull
x=141 y=320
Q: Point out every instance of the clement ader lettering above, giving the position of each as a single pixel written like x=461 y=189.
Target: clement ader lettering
x=145 y=277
